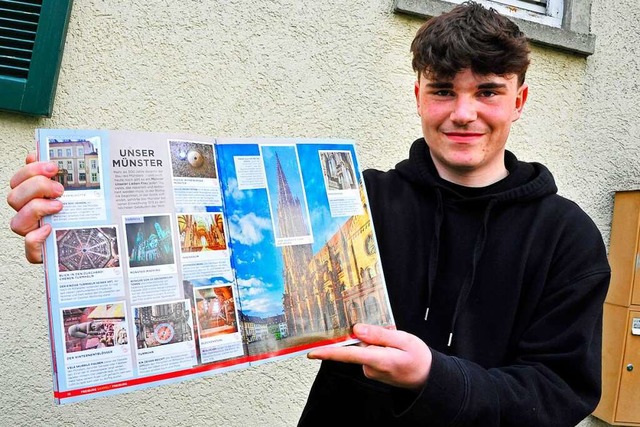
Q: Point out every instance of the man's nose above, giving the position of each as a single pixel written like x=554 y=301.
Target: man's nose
x=464 y=111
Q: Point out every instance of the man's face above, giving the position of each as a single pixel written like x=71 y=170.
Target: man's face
x=466 y=122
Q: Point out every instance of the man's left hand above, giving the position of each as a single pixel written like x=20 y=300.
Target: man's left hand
x=389 y=356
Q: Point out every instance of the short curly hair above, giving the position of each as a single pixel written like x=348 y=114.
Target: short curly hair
x=470 y=37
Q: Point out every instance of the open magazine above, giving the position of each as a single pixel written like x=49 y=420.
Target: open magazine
x=178 y=255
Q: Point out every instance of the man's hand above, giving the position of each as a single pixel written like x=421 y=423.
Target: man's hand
x=32 y=193
x=389 y=356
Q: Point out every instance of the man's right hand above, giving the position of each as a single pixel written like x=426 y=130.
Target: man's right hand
x=32 y=196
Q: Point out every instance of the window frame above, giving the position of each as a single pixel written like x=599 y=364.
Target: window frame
x=571 y=33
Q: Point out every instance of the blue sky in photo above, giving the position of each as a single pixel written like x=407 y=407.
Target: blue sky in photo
x=257 y=261
x=213 y=281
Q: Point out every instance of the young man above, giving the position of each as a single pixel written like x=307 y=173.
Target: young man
x=496 y=282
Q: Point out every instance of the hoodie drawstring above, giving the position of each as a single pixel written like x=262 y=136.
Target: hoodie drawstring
x=435 y=249
x=477 y=253
x=478 y=249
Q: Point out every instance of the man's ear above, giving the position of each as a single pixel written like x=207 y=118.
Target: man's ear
x=521 y=99
x=416 y=91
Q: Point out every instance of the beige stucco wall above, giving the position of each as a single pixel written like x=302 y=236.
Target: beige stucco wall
x=327 y=68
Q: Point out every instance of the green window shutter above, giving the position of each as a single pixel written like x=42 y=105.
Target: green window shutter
x=32 y=34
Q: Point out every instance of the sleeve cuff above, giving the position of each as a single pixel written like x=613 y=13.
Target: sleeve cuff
x=441 y=399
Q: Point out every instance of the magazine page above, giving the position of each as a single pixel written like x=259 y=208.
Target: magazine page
x=138 y=273
x=303 y=246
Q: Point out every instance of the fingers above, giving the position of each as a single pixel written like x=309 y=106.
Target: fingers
x=380 y=336
x=389 y=356
x=32 y=193
x=28 y=217
x=33 y=169
x=33 y=188
x=349 y=354
x=372 y=337
x=33 y=243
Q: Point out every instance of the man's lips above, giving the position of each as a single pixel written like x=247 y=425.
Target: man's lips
x=463 y=136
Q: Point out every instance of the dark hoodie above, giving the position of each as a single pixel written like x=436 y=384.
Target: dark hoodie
x=513 y=276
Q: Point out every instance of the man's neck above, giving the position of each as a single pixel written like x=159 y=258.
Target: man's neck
x=472 y=178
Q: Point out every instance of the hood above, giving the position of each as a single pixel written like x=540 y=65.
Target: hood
x=526 y=181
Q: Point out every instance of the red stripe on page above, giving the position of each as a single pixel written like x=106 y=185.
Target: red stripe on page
x=195 y=370
x=149 y=379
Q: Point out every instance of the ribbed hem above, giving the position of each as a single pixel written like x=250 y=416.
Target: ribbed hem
x=442 y=397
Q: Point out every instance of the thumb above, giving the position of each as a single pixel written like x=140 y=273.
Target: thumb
x=380 y=336
x=33 y=243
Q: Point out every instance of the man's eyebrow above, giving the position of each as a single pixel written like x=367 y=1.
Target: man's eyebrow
x=491 y=85
x=449 y=85
x=440 y=85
